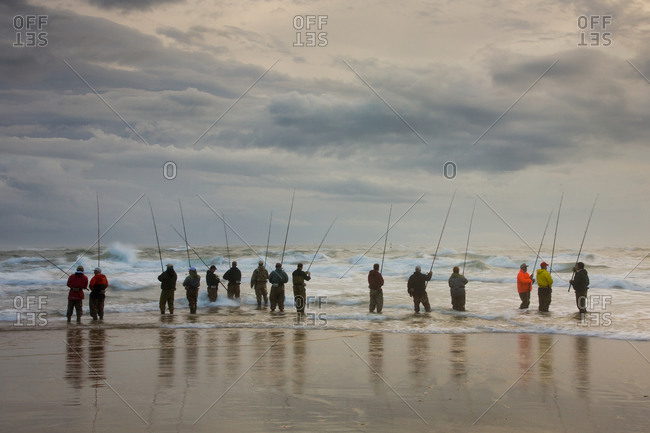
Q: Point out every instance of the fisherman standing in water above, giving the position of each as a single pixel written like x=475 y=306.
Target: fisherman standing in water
x=299 y=287
x=98 y=285
x=77 y=282
x=191 y=284
x=417 y=289
x=233 y=276
x=580 y=283
x=375 y=282
x=258 y=282
x=167 y=288
x=457 y=289
x=544 y=284
x=524 y=286
x=212 y=280
x=277 y=278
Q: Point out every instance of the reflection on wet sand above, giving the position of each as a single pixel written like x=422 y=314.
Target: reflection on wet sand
x=376 y=360
x=582 y=366
x=299 y=360
x=278 y=356
x=74 y=364
x=458 y=357
x=525 y=356
x=419 y=358
x=96 y=356
x=544 y=342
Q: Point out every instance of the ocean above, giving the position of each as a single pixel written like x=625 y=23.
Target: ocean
x=33 y=293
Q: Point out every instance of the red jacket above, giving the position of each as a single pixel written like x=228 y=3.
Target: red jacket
x=98 y=282
x=77 y=281
x=375 y=280
x=524 y=282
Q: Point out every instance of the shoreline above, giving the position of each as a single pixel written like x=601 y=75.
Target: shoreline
x=82 y=377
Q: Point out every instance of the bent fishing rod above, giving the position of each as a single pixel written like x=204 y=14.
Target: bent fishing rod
x=557 y=222
x=155 y=230
x=468 y=234
x=435 y=255
x=194 y=251
x=383 y=254
x=319 y=245
x=542 y=241
x=582 y=243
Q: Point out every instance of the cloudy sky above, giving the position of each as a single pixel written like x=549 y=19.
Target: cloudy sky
x=523 y=100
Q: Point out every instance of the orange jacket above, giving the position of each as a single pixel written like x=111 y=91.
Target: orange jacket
x=98 y=282
x=524 y=282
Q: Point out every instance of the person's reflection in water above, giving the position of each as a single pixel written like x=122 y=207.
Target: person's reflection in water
x=583 y=383
x=74 y=364
x=544 y=342
x=212 y=352
x=458 y=357
x=96 y=356
x=299 y=359
x=376 y=360
x=191 y=352
x=419 y=358
x=233 y=366
x=525 y=358
x=166 y=353
x=278 y=357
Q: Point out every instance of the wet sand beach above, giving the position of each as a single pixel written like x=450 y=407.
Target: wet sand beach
x=94 y=378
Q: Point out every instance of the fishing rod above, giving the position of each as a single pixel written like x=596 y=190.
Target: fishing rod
x=229 y=226
x=512 y=230
x=468 y=233
x=381 y=237
x=542 y=241
x=155 y=230
x=637 y=265
x=557 y=222
x=187 y=249
x=197 y=254
x=286 y=236
x=98 y=233
x=582 y=243
x=442 y=231
x=390 y=212
x=53 y=264
x=225 y=232
x=321 y=243
x=268 y=239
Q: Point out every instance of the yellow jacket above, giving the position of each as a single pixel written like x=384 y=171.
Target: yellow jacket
x=544 y=279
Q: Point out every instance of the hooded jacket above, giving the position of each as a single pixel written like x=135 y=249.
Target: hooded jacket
x=77 y=283
x=524 y=282
x=544 y=278
x=168 y=279
x=457 y=284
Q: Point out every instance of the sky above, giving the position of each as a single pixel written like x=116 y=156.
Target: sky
x=517 y=102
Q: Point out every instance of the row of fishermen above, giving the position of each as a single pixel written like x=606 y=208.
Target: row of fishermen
x=278 y=278
x=416 y=288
